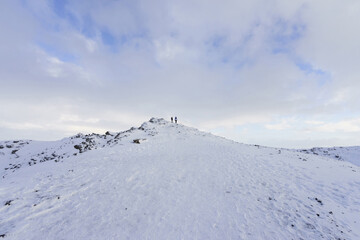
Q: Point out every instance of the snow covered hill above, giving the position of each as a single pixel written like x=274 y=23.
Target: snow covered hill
x=17 y=154
x=169 y=181
x=349 y=154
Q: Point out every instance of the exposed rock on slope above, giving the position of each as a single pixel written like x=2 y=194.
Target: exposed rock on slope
x=349 y=154
x=21 y=153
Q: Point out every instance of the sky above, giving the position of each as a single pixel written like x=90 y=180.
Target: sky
x=271 y=72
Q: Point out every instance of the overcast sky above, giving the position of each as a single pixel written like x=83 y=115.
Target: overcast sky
x=271 y=72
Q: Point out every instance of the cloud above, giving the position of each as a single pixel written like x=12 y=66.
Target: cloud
x=214 y=64
x=351 y=125
x=284 y=124
x=314 y=122
x=236 y=121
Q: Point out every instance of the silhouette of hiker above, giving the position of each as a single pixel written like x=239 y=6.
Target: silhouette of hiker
x=175 y=119
x=172 y=120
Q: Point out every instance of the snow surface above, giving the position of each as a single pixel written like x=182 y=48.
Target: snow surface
x=350 y=154
x=177 y=183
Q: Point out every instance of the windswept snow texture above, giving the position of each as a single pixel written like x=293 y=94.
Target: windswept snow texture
x=349 y=154
x=175 y=182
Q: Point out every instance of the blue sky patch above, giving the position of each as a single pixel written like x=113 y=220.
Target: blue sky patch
x=285 y=34
x=55 y=52
x=59 y=7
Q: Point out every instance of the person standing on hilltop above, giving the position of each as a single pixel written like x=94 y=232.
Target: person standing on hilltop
x=172 y=120
x=175 y=119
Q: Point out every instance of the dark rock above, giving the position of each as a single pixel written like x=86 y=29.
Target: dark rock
x=78 y=147
x=136 y=141
x=319 y=201
x=14 y=151
x=79 y=135
x=153 y=120
x=8 y=203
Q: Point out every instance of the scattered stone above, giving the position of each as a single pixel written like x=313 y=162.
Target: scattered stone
x=78 y=147
x=319 y=201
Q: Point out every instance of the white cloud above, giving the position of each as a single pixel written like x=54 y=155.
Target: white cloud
x=236 y=121
x=214 y=64
x=20 y=126
x=351 y=125
x=167 y=49
x=314 y=122
x=284 y=124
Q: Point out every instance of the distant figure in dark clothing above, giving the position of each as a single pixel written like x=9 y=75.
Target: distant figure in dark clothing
x=172 y=120
x=175 y=119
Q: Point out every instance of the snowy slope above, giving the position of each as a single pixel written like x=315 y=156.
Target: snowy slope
x=349 y=154
x=179 y=183
x=17 y=154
